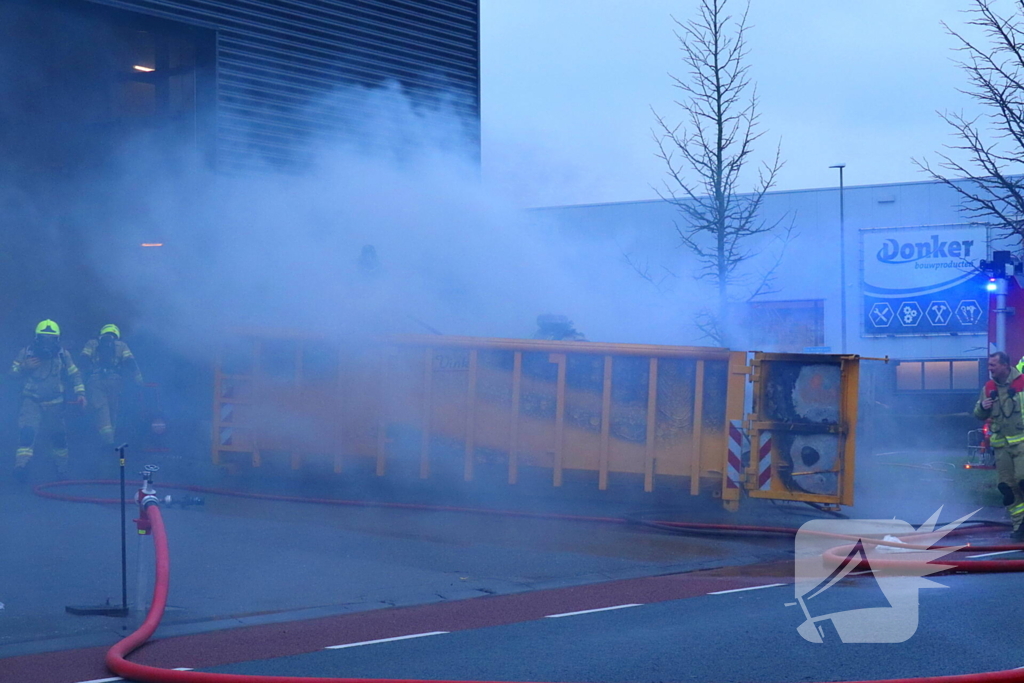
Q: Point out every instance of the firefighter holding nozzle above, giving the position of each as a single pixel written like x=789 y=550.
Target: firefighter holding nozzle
x=44 y=369
x=1002 y=403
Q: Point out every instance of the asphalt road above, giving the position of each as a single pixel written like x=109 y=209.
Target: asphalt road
x=723 y=625
x=239 y=561
x=349 y=572
x=747 y=636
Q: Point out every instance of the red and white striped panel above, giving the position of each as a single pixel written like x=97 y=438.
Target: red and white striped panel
x=734 y=470
x=764 y=462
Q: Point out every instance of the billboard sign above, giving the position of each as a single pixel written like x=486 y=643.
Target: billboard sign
x=924 y=280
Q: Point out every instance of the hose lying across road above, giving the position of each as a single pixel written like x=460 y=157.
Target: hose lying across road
x=116 y=657
x=45 y=491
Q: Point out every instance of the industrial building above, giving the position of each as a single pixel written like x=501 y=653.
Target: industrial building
x=912 y=291
x=215 y=84
x=235 y=78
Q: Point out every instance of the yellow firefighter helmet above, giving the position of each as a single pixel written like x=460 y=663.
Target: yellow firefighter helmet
x=48 y=327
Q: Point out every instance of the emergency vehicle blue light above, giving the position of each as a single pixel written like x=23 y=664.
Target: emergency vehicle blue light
x=991 y=285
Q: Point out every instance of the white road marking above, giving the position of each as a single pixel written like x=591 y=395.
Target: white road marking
x=384 y=640
x=749 y=588
x=1001 y=552
x=111 y=680
x=866 y=571
x=591 y=611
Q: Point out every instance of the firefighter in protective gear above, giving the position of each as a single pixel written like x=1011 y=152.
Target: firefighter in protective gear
x=106 y=361
x=45 y=370
x=1002 y=403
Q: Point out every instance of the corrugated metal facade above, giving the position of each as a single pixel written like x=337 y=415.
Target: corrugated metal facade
x=276 y=58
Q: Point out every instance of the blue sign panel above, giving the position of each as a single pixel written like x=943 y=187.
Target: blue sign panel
x=921 y=281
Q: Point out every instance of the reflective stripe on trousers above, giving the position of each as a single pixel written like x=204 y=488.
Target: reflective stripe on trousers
x=1004 y=441
x=1016 y=514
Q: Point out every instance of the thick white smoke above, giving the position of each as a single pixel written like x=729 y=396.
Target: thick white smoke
x=386 y=229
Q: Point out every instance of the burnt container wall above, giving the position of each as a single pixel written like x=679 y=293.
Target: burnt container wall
x=276 y=61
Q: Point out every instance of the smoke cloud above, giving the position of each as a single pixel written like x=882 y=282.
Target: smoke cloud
x=386 y=229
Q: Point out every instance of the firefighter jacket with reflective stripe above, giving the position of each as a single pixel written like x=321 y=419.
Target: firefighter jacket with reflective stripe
x=114 y=359
x=45 y=383
x=1007 y=413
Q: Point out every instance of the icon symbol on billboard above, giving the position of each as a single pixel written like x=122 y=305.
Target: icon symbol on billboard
x=881 y=314
x=969 y=312
x=910 y=313
x=939 y=313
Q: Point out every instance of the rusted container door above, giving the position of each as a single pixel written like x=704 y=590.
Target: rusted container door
x=803 y=428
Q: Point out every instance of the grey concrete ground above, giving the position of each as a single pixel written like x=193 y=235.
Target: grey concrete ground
x=239 y=561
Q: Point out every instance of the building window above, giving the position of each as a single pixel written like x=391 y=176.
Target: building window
x=938 y=375
x=786 y=325
x=909 y=376
x=157 y=74
x=966 y=375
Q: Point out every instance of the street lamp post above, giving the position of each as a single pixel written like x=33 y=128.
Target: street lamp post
x=842 y=260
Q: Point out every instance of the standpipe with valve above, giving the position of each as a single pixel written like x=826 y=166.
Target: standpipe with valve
x=146 y=496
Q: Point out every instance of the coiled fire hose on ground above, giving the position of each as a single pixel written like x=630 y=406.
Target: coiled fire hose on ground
x=116 y=658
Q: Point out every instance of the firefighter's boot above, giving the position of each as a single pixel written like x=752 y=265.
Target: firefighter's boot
x=21 y=458
x=1016 y=518
x=107 y=435
x=61 y=456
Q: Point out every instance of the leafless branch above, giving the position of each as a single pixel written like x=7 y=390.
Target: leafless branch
x=660 y=279
x=991 y=146
x=705 y=155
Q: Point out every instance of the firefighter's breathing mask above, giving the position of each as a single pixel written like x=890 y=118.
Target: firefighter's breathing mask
x=46 y=345
x=105 y=350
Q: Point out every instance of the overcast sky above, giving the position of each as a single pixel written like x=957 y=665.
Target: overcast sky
x=568 y=87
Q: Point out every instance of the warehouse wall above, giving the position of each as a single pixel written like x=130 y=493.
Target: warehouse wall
x=274 y=59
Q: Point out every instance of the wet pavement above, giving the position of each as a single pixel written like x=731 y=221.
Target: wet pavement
x=240 y=562
x=745 y=636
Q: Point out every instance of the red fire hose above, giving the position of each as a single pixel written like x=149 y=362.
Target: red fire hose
x=117 y=663
x=44 y=491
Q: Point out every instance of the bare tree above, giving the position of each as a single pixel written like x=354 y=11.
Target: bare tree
x=986 y=162
x=706 y=154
